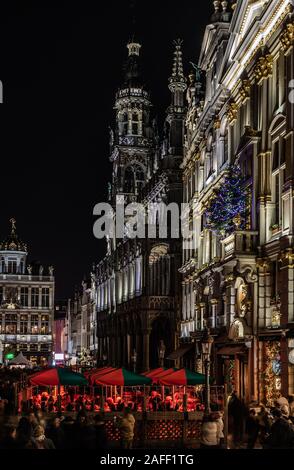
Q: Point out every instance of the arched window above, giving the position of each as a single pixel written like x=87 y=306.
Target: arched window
x=209 y=157
x=224 y=142
x=135 y=124
x=134 y=179
x=139 y=178
x=125 y=123
x=129 y=181
x=277 y=131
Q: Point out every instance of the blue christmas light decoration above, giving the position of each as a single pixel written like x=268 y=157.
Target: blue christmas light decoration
x=228 y=202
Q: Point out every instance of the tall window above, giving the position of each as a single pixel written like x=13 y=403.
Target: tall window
x=125 y=123
x=24 y=296
x=34 y=324
x=1 y=324
x=1 y=294
x=10 y=324
x=278 y=176
x=12 y=266
x=45 y=297
x=140 y=178
x=35 y=297
x=135 y=124
x=226 y=144
x=45 y=324
x=23 y=325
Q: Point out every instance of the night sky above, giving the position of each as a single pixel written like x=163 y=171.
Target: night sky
x=60 y=68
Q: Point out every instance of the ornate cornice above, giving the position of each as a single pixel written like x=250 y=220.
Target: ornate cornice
x=263 y=68
x=232 y=112
x=287 y=37
x=244 y=90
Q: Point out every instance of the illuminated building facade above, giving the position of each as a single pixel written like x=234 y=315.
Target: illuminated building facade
x=138 y=306
x=238 y=277
x=26 y=303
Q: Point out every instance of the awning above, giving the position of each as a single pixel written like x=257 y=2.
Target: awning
x=180 y=352
x=231 y=350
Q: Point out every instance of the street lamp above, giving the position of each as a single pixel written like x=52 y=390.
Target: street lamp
x=161 y=353
x=134 y=360
x=104 y=358
x=207 y=341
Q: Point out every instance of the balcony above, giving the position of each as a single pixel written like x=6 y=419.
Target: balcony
x=25 y=338
x=241 y=242
x=25 y=278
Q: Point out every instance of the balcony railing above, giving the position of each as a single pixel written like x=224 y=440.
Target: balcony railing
x=239 y=242
x=25 y=278
x=6 y=338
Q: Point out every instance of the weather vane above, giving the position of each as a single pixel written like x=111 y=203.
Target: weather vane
x=13 y=224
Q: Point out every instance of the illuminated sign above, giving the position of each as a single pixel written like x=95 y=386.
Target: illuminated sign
x=9 y=356
x=59 y=357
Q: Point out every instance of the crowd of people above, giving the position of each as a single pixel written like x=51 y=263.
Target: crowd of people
x=35 y=431
x=73 y=400
x=268 y=427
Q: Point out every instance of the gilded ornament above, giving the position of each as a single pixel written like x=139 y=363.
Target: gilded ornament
x=244 y=90
x=263 y=68
x=232 y=112
x=287 y=37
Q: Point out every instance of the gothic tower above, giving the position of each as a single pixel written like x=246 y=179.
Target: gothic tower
x=176 y=112
x=132 y=141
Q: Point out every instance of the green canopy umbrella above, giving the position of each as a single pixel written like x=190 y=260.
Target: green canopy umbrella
x=57 y=376
x=122 y=377
x=183 y=377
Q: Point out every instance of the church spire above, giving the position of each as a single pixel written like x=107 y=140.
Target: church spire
x=174 y=124
x=177 y=80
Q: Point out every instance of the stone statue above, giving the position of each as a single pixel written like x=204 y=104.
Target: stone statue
x=161 y=352
x=111 y=137
x=109 y=191
x=51 y=270
x=198 y=72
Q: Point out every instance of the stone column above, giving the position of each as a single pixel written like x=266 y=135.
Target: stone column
x=139 y=351
x=139 y=275
x=146 y=339
x=168 y=274
x=163 y=270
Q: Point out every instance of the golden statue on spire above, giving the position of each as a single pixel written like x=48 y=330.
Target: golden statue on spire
x=13 y=225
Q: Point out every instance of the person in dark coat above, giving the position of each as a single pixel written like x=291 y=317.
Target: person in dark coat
x=56 y=433
x=9 y=439
x=24 y=434
x=101 y=433
x=84 y=433
x=68 y=426
x=236 y=412
x=252 y=429
x=281 y=434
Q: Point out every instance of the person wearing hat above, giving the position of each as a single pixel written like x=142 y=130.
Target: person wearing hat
x=40 y=441
x=281 y=434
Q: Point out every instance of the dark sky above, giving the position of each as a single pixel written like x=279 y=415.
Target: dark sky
x=60 y=67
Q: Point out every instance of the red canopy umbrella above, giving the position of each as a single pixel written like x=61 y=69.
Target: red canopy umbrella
x=154 y=372
x=183 y=377
x=57 y=376
x=88 y=373
x=122 y=377
x=156 y=378
x=99 y=373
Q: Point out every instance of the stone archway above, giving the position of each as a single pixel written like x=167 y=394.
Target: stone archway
x=161 y=332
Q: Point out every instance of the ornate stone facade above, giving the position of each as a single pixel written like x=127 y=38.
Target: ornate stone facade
x=138 y=306
x=240 y=282
x=26 y=303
